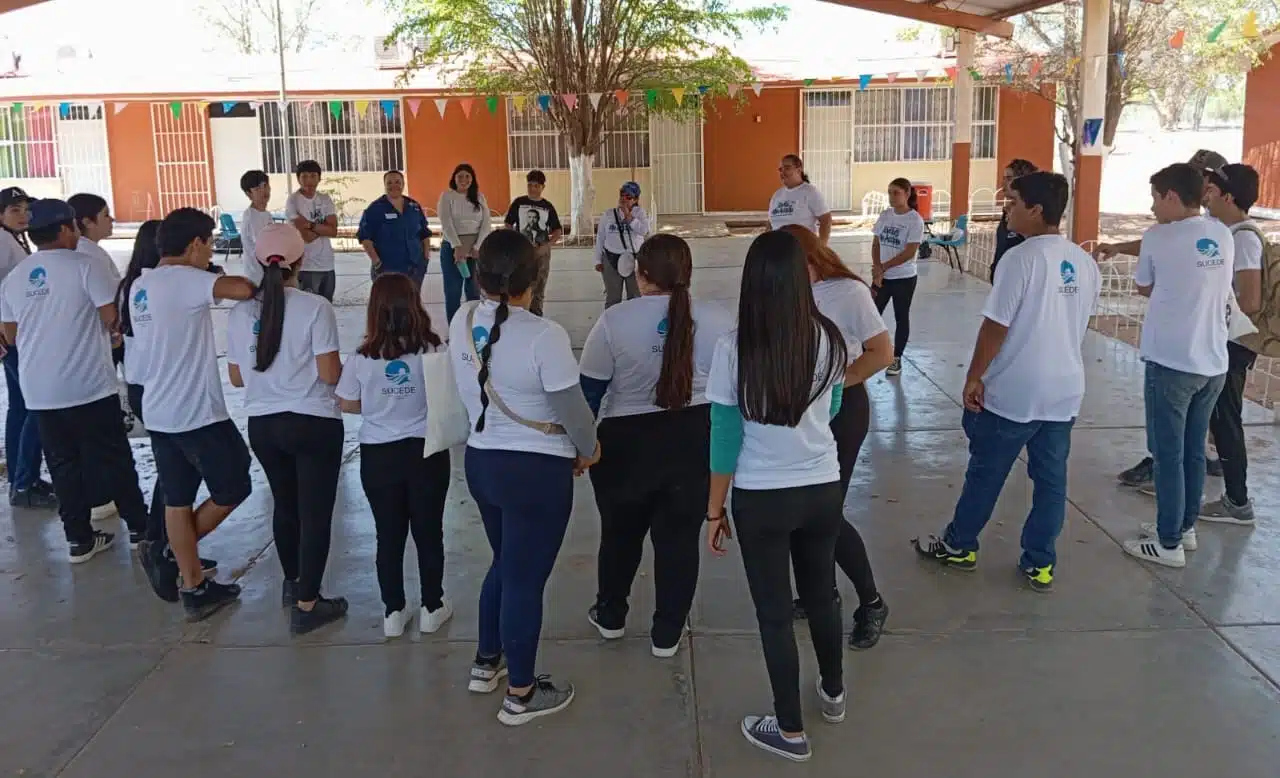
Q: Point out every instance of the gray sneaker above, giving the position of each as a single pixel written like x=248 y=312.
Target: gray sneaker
x=833 y=708
x=763 y=733
x=544 y=699
x=486 y=674
x=1224 y=511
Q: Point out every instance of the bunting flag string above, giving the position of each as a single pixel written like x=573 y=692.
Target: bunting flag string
x=594 y=99
x=678 y=94
x=115 y=107
x=388 y=108
x=414 y=105
x=621 y=95
x=335 y=108
x=544 y=103
x=864 y=81
x=228 y=107
x=492 y=102
x=442 y=103
x=651 y=97
x=362 y=107
x=570 y=101
x=757 y=87
x=466 y=104
x=891 y=77
x=519 y=102
x=176 y=108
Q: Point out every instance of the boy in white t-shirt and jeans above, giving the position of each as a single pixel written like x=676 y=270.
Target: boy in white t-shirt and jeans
x=1025 y=382
x=256 y=185
x=315 y=216
x=1184 y=266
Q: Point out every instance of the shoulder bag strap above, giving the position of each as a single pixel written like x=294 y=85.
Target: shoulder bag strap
x=624 y=230
x=545 y=427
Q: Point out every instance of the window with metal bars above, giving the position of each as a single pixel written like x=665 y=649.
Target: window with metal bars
x=534 y=142
x=916 y=123
x=337 y=134
x=28 y=148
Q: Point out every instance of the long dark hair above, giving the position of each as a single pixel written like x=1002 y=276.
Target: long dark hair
x=666 y=262
x=795 y=160
x=87 y=207
x=905 y=185
x=397 y=324
x=506 y=268
x=146 y=255
x=271 y=295
x=473 y=191
x=780 y=335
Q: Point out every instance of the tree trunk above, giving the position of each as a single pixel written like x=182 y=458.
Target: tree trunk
x=1197 y=110
x=582 y=195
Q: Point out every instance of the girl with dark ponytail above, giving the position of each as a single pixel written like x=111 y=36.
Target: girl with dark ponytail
x=289 y=340
x=531 y=431
x=647 y=360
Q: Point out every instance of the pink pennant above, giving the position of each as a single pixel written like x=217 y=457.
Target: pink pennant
x=118 y=107
x=570 y=101
x=734 y=89
x=414 y=105
x=466 y=103
x=891 y=77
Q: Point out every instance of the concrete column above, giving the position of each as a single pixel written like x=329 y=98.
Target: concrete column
x=962 y=135
x=1087 y=188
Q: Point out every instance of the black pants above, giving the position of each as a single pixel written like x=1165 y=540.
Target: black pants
x=850 y=428
x=900 y=291
x=407 y=494
x=1227 y=424
x=157 y=534
x=301 y=456
x=87 y=446
x=655 y=483
x=773 y=525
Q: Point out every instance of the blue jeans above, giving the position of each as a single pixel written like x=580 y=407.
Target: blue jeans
x=524 y=501
x=417 y=273
x=1179 y=406
x=21 y=437
x=454 y=284
x=994 y=445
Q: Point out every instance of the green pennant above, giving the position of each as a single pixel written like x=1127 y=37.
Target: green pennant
x=651 y=97
x=17 y=107
x=176 y=108
x=492 y=102
x=809 y=81
x=335 y=108
x=974 y=74
x=1217 y=31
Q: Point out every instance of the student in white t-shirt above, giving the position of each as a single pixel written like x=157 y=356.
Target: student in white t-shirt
x=894 y=248
x=174 y=357
x=619 y=234
x=383 y=381
x=256 y=185
x=644 y=371
x=1026 y=381
x=774 y=387
x=846 y=299
x=531 y=430
x=316 y=218
x=58 y=307
x=1185 y=266
x=282 y=347
x=798 y=201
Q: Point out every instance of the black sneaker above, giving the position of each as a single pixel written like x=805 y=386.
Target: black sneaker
x=208 y=598
x=935 y=548
x=33 y=498
x=1140 y=474
x=608 y=625
x=325 y=611
x=162 y=572
x=83 y=552
x=798 y=610
x=868 y=625
x=1213 y=467
x=289 y=593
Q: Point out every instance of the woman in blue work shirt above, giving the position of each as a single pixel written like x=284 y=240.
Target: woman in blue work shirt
x=394 y=232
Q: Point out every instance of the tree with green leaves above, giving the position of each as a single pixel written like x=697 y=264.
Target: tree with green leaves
x=581 y=47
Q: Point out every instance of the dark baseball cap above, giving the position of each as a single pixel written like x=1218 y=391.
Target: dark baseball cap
x=1204 y=160
x=12 y=195
x=48 y=212
x=1239 y=181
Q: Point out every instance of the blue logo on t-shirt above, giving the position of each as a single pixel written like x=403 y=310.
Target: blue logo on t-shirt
x=481 y=336
x=662 y=327
x=1208 y=247
x=1068 y=271
x=140 y=301
x=397 y=372
x=38 y=278
x=257 y=326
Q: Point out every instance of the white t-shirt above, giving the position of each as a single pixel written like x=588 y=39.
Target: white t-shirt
x=176 y=360
x=292 y=384
x=99 y=254
x=1045 y=290
x=64 y=351
x=776 y=457
x=251 y=223
x=1250 y=252
x=1190 y=263
x=850 y=305
x=318 y=256
x=803 y=205
x=532 y=358
x=393 y=400
x=625 y=348
x=896 y=231
x=11 y=253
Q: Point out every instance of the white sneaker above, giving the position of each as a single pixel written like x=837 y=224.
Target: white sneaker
x=430 y=622
x=1150 y=550
x=1189 y=540
x=393 y=625
x=103 y=512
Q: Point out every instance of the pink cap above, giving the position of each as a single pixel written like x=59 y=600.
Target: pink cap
x=279 y=243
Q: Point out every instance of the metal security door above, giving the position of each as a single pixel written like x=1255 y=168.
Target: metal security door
x=676 y=164
x=827 y=144
x=84 y=164
x=183 y=174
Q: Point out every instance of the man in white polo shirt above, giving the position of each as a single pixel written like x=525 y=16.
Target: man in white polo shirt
x=1184 y=266
x=65 y=302
x=1025 y=381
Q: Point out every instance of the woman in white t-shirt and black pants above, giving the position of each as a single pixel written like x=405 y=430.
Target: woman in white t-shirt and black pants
x=288 y=341
x=383 y=382
x=647 y=360
x=798 y=201
x=775 y=385
x=531 y=430
x=894 y=247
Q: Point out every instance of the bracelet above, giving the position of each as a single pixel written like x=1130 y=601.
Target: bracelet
x=721 y=517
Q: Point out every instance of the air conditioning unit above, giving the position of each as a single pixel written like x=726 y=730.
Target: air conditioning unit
x=388 y=54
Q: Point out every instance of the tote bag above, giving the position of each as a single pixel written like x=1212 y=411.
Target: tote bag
x=447 y=422
x=1238 y=325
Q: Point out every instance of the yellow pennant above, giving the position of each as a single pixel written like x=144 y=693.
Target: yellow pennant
x=1250 y=27
x=1071 y=65
x=519 y=101
x=362 y=107
x=678 y=94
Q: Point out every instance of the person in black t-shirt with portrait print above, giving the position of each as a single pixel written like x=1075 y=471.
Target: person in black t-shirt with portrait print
x=537 y=220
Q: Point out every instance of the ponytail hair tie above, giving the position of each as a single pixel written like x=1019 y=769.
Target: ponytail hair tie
x=274 y=259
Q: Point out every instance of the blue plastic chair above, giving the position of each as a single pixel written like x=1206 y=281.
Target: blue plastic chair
x=953 y=241
x=229 y=239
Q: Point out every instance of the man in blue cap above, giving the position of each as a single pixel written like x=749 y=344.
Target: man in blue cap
x=57 y=298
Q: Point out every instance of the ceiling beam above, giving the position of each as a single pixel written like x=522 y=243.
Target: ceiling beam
x=13 y=5
x=933 y=14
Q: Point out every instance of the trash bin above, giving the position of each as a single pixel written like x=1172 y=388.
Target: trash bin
x=924 y=199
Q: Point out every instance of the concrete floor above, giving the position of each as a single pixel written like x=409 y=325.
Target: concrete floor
x=1123 y=670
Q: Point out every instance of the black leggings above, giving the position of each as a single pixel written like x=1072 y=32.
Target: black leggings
x=900 y=291
x=301 y=456
x=157 y=534
x=407 y=494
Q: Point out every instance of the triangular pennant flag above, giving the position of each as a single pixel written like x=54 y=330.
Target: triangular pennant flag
x=64 y=110
x=335 y=108
x=1036 y=65
x=920 y=74
x=1249 y=29
x=756 y=87
x=891 y=77
x=734 y=89
x=466 y=103
x=975 y=74
x=1008 y=72
x=951 y=73
x=442 y=104
x=492 y=103
x=1217 y=31
x=176 y=109
x=808 y=82
x=255 y=105
x=414 y=105
x=544 y=102
x=703 y=89
x=362 y=107
x=678 y=93
x=651 y=97
x=16 y=107
x=864 y=81
x=1071 y=65
x=1177 y=39
x=621 y=95
x=388 y=108
x=570 y=101
x=228 y=106
x=115 y=107
x=594 y=98
x=519 y=101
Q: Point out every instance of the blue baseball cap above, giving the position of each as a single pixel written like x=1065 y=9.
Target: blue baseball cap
x=48 y=212
x=631 y=189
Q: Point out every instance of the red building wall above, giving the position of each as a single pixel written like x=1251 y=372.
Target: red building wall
x=1262 y=127
x=435 y=145
x=133 y=163
x=1024 y=130
x=742 y=144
